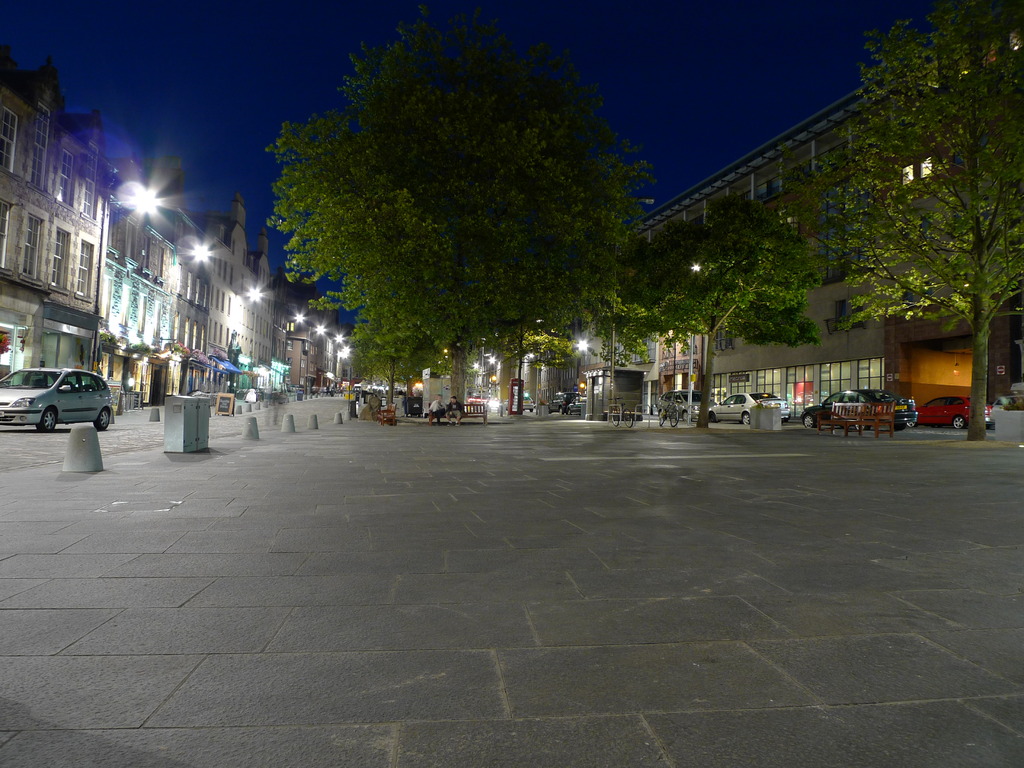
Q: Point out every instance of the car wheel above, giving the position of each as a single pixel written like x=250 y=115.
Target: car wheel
x=712 y=417
x=900 y=427
x=103 y=420
x=745 y=417
x=809 y=421
x=959 y=422
x=48 y=421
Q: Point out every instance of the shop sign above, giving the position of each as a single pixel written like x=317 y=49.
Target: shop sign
x=738 y=378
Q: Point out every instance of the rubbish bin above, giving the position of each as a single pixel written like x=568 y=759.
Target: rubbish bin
x=186 y=424
x=352 y=409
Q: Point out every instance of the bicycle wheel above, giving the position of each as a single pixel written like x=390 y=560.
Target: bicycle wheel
x=662 y=416
x=614 y=416
x=629 y=415
x=673 y=417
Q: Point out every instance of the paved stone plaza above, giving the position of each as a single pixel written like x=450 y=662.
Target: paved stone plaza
x=539 y=593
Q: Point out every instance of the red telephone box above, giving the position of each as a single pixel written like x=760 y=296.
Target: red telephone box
x=515 y=397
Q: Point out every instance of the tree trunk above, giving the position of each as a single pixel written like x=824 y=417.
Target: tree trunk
x=705 y=389
x=979 y=382
x=459 y=370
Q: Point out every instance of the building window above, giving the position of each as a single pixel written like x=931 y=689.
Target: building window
x=64 y=186
x=38 y=166
x=30 y=256
x=61 y=253
x=84 y=269
x=8 y=133
x=5 y=218
x=89 y=186
x=723 y=342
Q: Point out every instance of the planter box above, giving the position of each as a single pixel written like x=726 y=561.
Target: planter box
x=1009 y=425
x=766 y=418
x=542 y=410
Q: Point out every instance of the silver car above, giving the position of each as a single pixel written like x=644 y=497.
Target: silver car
x=737 y=407
x=45 y=397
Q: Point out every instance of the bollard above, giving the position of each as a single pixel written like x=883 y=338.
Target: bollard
x=288 y=423
x=257 y=405
x=313 y=423
x=112 y=415
x=251 y=430
x=83 y=451
x=154 y=414
x=248 y=407
x=238 y=409
x=338 y=419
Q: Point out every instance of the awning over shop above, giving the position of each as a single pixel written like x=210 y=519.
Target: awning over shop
x=196 y=364
x=226 y=365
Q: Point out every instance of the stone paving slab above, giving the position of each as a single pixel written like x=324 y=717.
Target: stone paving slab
x=529 y=593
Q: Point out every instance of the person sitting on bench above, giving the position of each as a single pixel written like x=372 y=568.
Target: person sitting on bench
x=455 y=410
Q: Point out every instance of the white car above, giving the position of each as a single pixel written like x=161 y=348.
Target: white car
x=737 y=407
x=45 y=397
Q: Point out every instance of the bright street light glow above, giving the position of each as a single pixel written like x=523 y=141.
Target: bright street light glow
x=582 y=345
x=695 y=267
x=345 y=351
x=255 y=294
x=201 y=252
x=299 y=318
x=320 y=329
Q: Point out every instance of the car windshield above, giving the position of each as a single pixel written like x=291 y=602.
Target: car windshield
x=29 y=380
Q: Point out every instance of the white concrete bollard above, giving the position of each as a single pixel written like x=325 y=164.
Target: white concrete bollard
x=248 y=407
x=288 y=423
x=238 y=409
x=257 y=405
x=83 y=451
x=154 y=414
x=338 y=419
x=313 y=423
x=251 y=430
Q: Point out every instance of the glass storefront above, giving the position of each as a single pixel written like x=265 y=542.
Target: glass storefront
x=803 y=385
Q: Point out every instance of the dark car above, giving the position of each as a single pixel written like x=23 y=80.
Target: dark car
x=950 y=411
x=905 y=410
x=563 y=402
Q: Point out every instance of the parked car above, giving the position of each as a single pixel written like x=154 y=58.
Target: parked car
x=737 y=407
x=905 y=411
x=679 y=397
x=45 y=397
x=950 y=411
x=562 y=401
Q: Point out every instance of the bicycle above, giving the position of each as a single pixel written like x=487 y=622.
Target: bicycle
x=618 y=413
x=669 y=413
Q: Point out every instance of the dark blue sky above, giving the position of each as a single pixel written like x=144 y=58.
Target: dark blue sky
x=695 y=84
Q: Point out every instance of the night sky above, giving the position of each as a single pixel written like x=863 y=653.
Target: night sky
x=695 y=84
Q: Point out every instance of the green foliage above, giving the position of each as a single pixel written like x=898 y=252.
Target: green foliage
x=462 y=189
x=743 y=272
x=923 y=208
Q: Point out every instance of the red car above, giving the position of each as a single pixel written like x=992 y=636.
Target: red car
x=951 y=411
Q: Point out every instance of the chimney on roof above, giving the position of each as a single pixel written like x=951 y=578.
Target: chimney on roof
x=6 y=62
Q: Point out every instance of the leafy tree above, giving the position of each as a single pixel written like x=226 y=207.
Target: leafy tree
x=743 y=272
x=923 y=208
x=462 y=189
x=390 y=353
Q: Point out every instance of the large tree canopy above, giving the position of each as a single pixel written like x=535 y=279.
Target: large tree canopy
x=463 y=187
x=743 y=272
x=923 y=208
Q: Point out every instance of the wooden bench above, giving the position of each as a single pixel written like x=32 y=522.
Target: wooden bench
x=880 y=417
x=387 y=415
x=475 y=411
